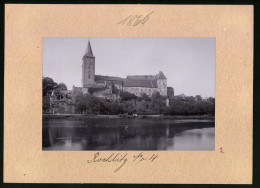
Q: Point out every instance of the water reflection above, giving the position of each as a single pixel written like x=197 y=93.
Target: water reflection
x=128 y=134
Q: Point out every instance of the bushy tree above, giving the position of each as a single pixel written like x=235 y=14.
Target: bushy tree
x=142 y=106
x=189 y=105
x=158 y=102
x=198 y=98
x=48 y=85
x=144 y=97
x=62 y=87
x=126 y=96
x=45 y=103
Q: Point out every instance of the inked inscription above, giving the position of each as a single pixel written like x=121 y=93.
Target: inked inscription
x=122 y=159
x=134 y=20
x=114 y=158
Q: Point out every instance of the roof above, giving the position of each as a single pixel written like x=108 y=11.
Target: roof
x=89 y=52
x=149 y=81
x=161 y=75
x=140 y=83
x=143 y=77
x=102 y=79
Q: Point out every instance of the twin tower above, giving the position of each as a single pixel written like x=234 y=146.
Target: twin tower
x=88 y=67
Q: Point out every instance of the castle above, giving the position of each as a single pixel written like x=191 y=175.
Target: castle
x=136 y=84
x=102 y=86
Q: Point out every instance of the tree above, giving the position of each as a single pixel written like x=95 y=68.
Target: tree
x=211 y=100
x=190 y=105
x=106 y=107
x=198 y=98
x=62 y=87
x=144 y=97
x=82 y=103
x=126 y=96
x=46 y=103
x=127 y=107
x=158 y=102
x=48 y=85
x=142 y=106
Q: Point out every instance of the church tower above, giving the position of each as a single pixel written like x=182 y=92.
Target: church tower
x=88 y=67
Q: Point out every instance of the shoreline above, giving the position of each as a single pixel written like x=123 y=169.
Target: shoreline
x=90 y=116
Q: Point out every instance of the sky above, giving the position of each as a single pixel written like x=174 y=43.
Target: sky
x=188 y=63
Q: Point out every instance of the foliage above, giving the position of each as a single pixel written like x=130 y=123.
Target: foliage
x=126 y=96
x=158 y=103
x=189 y=105
x=144 y=97
x=45 y=103
x=90 y=104
x=179 y=105
x=48 y=85
x=62 y=87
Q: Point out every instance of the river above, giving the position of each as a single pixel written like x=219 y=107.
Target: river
x=128 y=134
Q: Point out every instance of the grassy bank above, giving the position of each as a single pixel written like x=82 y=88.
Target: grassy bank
x=83 y=117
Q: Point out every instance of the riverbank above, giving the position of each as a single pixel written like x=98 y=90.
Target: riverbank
x=89 y=116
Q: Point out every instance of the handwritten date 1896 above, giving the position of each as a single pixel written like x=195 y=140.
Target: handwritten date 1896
x=134 y=20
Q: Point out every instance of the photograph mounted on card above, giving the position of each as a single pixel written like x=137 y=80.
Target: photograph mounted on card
x=128 y=94
x=134 y=94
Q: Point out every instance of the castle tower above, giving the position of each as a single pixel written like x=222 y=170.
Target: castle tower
x=162 y=83
x=88 y=67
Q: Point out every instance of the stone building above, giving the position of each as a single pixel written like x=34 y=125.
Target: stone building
x=147 y=84
x=170 y=92
x=136 y=84
x=62 y=102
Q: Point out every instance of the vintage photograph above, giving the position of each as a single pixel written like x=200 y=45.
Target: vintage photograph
x=128 y=94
